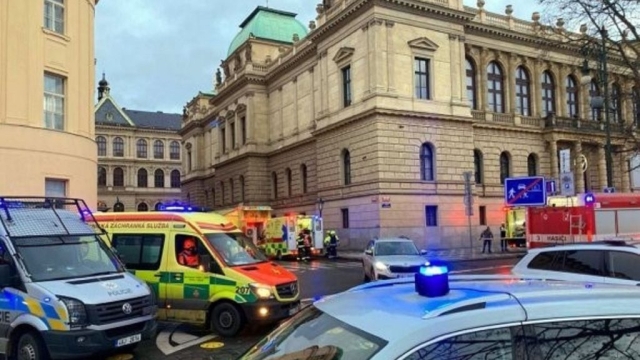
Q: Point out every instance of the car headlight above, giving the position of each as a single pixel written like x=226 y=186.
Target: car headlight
x=261 y=291
x=381 y=266
x=77 y=311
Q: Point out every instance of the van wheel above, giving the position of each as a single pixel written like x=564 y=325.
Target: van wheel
x=30 y=347
x=226 y=319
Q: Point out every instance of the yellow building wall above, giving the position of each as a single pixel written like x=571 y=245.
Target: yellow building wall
x=30 y=153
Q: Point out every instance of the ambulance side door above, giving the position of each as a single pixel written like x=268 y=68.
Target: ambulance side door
x=292 y=233
x=318 y=237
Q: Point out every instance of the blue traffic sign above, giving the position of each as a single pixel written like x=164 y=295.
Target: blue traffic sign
x=525 y=191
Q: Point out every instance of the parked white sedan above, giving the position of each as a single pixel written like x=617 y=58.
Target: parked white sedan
x=391 y=258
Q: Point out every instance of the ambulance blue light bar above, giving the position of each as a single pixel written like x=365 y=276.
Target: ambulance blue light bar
x=175 y=208
x=432 y=280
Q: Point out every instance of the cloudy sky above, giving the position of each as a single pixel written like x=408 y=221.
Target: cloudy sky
x=157 y=54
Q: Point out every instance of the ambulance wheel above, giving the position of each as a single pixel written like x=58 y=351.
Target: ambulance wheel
x=30 y=347
x=226 y=319
x=279 y=255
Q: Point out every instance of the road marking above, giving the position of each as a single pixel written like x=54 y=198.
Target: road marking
x=172 y=334
x=212 y=345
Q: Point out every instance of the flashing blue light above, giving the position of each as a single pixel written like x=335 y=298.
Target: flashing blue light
x=589 y=199
x=175 y=208
x=432 y=280
x=47 y=299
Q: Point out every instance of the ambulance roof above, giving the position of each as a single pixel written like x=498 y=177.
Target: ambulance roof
x=410 y=318
x=205 y=221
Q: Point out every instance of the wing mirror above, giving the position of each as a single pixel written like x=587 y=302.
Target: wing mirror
x=423 y=252
x=8 y=277
x=368 y=252
x=207 y=264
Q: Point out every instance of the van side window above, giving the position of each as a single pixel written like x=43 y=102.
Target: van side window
x=584 y=339
x=584 y=262
x=623 y=265
x=495 y=344
x=139 y=251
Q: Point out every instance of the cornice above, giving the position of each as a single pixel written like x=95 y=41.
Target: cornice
x=429 y=7
x=513 y=128
x=129 y=129
x=306 y=53
x=337 y=22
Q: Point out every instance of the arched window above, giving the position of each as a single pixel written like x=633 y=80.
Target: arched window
x=141 y=148
x=594 y=90
x=118 y=147
x=532 y=165
x=573 y=102
x=523 y=92
x=346 y=167
x=274 y=185
x=616 y=103
x=289 y=181
x=118 y=177
x=158 y=149
x=477 y=166
x=158 y=178
x=303 y=177
x=495 y=87
x=241 y=188
x=174 y=150
x=471 y=83
x=118 y=207
x=548 y=94
x=142 y=178
x=505 y=166
x=175 y=179
x=143 y=207
x=101 y=141
x=232 y=190
x=426 y=162
x=102 y=176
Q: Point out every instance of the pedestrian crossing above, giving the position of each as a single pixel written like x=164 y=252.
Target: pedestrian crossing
x=315 y=265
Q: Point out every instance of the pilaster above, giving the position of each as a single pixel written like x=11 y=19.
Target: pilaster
x=602 y=168
x=553 y=149
x=577 y=171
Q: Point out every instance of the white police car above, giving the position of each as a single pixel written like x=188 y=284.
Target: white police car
x=468 y=317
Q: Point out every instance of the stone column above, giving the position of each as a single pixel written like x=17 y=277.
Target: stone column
x=536 y=91
x=325 y=63
x=295 y=105
x=483 y=100
x=561 y=94
x=602 y=168
x=251 y=120
x=391 y=64
x=462 y=68
x=510 y=84
x=367 y=59
x=553 y=148
x=312 y=74
x=376 y=76
x=456 y=81
x=577 y=172
x=281 y=120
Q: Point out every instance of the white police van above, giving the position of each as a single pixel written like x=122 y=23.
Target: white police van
x=63 y=293
x=472 y=317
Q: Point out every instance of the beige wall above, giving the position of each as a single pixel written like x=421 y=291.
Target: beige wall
x=29 y=153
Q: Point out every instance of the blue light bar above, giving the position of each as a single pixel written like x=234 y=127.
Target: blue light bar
x=432 y=280
x=429 y=270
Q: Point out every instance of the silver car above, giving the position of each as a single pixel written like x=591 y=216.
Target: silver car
x=391 y=258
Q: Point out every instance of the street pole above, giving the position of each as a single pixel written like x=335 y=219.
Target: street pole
x=605 y=80
x=468 y=202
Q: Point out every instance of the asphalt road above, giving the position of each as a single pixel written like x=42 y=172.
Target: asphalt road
x=317 y=278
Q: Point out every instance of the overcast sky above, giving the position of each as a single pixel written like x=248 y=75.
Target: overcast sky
x=157 y=54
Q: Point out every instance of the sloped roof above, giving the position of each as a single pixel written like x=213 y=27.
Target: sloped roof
x=268 y=24
x=109 y=113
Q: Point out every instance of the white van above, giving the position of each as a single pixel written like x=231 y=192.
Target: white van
x=63 y=293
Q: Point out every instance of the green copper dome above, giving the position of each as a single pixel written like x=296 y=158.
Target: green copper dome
x=269 y=24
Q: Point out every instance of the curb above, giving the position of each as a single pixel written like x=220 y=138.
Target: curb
x=511 y=256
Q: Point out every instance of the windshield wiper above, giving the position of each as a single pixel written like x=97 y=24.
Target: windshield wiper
x=103 y=273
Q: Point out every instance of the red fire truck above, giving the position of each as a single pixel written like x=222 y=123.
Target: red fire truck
x=585 y=217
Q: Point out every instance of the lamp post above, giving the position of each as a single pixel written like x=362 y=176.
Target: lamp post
x=601 y=103
x=320 y=205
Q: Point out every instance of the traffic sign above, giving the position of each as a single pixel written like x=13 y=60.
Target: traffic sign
x=609 y=190
x=525 y=191
x=551 y=187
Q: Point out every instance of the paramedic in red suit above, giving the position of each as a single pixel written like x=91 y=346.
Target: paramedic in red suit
x=189 y=255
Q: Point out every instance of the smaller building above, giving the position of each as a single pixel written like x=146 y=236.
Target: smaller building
x=139 y=157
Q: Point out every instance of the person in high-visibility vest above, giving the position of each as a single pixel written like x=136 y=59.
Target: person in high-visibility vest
x=331 y=242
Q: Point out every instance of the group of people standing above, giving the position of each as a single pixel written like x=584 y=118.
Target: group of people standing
x=487 y=237
x=305 y=241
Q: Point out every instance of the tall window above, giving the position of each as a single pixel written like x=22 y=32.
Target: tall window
x=141 y=148
x=495 y=87
x=636 y=105
x=174 y=150
x=175 y=179
x=594 y=90
x=421 y=75
x=232 y=190
x=223 y=140
x=477 y=166
x=142 y=178
x=241 y=188
x=346 y=86
x=222 y=193
x=143 y=207
x=274 y=185
x=616 y=103
x=289 y=181
x=548 y=94
x=232 y=127
x=243 y=130
x=346 y=166
x=431 y=215
x=158 y=178
x=118 y=147
x=101 y=141
x=303 y=177
x=102 y=176
x=54 y=93
x=426 y=162
x=118 y=177
x=471 y=84
x=523 y=92
x=572 y=97
x=532 y=165
x=158 y=149
x=54 y=15
x=345 y=218
x=505 y=166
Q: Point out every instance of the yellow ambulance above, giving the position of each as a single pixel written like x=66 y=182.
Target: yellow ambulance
x=282 y=233
x=202 y=269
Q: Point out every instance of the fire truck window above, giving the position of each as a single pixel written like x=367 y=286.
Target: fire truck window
x=548 y=260
x=623 y=265
x=584 y=262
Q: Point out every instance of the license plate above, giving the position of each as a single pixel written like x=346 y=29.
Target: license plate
x=129 y=340
x=294 y=310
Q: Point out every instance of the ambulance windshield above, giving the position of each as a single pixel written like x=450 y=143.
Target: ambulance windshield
x=66 y=257
x=236 y=249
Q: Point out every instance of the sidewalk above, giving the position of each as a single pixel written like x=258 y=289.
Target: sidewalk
x=451 y=255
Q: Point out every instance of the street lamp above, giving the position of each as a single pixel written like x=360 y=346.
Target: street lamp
x=600 y=103
x=320 y=205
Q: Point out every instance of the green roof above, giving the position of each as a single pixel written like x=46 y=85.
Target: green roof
x=269 y=24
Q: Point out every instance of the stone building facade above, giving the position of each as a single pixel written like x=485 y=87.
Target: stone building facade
x=379 y=107
x=139 y=156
